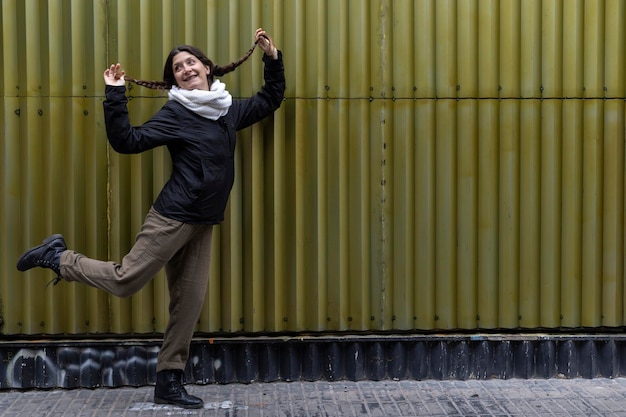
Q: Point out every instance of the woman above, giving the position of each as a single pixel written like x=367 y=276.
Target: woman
x=198 y=125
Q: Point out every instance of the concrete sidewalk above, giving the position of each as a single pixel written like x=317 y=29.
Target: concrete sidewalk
x=516 y=397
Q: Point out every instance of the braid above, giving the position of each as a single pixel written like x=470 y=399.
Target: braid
x=220 y=70
x=157 y=85
x=168 y=75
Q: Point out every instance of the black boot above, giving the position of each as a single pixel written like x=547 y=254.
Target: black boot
x=169 y=389
x=46 y=255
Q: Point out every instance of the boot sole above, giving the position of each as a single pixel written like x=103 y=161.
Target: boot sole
x=189 y=407
x=47 y=240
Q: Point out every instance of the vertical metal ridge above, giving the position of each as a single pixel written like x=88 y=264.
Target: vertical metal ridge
x=11 y=213
x=301 y=303
x=592 y=212
x=426 y=179
x=467 y=45
x=551 y=136
x=322 y=290
x=345 y=309
x=613 y=245
x=403 y=169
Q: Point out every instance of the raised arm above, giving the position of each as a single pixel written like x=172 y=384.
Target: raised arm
x=123 y=137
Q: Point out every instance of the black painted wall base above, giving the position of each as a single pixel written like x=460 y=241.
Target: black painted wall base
x=114 y=363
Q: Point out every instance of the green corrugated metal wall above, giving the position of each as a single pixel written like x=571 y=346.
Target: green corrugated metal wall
x=436 y=164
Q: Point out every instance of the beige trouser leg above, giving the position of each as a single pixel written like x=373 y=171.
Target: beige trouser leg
x=187 y=279
x=184 y=249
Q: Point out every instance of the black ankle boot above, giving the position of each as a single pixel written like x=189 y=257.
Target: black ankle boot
x=46 y=255
x=169 y=389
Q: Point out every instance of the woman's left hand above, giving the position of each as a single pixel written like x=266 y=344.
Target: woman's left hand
x=266 y=43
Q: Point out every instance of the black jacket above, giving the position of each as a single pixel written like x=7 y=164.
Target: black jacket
x=202 y=150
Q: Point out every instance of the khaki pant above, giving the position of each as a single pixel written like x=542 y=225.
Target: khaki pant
x=184 y=250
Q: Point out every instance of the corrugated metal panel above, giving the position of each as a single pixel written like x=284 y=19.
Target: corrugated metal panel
x=111 y=363
x=435 y=165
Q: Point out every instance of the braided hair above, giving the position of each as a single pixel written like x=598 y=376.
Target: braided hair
x=168 y=72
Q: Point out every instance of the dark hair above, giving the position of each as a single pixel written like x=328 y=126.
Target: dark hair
x=168 y=70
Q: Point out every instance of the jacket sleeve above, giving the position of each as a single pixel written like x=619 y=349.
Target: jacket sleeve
x=125 y=138
x=268 y=99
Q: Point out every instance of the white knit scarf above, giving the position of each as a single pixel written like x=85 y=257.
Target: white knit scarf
x=212 y=104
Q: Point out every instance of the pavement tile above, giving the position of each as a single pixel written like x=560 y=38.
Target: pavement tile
x=550 y=397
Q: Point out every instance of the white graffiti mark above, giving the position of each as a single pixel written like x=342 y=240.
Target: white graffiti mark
x=17 y=366
x=107 y=365
x=72 y=367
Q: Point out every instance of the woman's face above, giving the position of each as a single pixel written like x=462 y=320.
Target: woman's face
x=190 y=73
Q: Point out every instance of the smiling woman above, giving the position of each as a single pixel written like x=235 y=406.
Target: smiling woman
x=189 y=72
x=198 y=124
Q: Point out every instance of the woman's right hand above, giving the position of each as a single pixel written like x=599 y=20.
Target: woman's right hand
x=114 y=75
